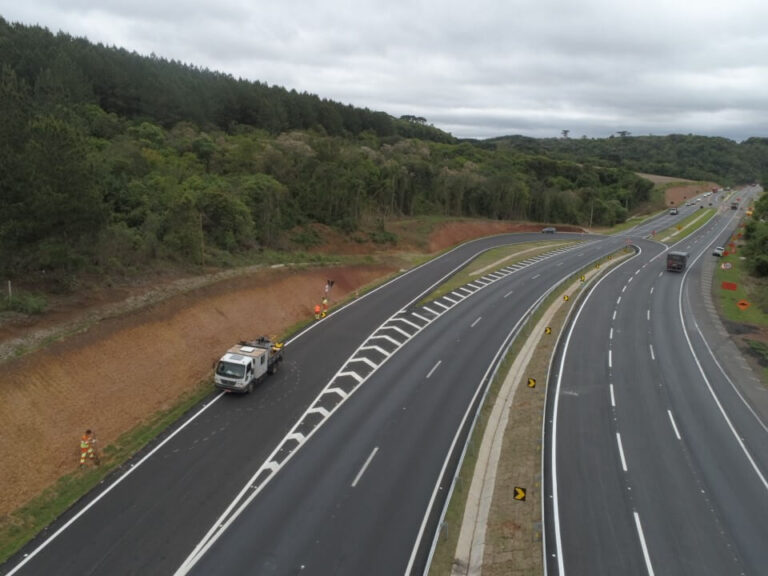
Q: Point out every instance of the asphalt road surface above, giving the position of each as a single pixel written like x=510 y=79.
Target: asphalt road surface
x=657 y=462
x=150 y=521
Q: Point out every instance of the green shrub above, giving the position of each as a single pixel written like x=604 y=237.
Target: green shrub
x=26 y=303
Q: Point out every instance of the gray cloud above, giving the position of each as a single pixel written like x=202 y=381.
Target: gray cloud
x=479 y=69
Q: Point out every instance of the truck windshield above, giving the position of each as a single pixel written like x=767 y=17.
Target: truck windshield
x=230 y=370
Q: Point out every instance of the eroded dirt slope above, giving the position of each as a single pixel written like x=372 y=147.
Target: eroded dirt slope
x=128 y=365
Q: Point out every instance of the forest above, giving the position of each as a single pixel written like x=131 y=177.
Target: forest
x=114 y=162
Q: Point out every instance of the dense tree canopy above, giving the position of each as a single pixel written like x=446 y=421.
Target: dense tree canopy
x=113 y=161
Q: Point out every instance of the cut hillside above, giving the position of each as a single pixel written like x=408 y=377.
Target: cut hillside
x=102 y=369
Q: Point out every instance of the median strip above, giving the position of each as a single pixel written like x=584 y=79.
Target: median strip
x=487 y=528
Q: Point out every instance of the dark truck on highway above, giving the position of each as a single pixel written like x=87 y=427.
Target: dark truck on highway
x=676 y=261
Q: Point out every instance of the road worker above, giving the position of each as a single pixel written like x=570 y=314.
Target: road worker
x=317 y=312
x=87 y=448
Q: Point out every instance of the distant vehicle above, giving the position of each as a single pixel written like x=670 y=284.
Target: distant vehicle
x=247 y=364
x=718 y=251
x=735 y=205
x=676 y=261
x=673 y=211
x=549 y=230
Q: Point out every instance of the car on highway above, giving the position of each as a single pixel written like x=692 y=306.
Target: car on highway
x=549 y=230
x=718 y=251
x=673 y=211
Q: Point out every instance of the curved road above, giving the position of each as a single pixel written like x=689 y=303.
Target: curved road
x=658 y=463
x=152 y=517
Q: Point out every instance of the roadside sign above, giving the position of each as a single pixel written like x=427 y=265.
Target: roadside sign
x=531 y=382
x=730 y=286
x=726 y=265
x=565 y=298
x=547 y=330
x=519 y=493
x=742 y=304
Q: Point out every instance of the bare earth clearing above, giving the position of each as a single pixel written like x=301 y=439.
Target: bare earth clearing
x=136 y=359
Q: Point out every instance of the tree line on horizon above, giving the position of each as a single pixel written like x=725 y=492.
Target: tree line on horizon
x=114 y=162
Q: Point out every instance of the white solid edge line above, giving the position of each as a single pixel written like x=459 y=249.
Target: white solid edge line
x=708 y=383
x=110 y=488
x=365 y=467
x=555 y=499
x=644 y=546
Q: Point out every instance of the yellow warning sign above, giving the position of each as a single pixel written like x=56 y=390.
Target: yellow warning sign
x=565 y=297
x=519 y=493
x=531 y=382
x=548 y=330
x=583 y=278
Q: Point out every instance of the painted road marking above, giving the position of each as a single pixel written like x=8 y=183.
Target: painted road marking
x=610 y=359
x=653 y=357
x=613 y=398
x=475 y=322
x=643 y=545
x=508 y=293
x=621 y=452
x=365 y=466
x=434 y=368
x=672 y=419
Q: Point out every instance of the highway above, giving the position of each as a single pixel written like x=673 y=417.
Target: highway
x=341 y=462
x=656 y=461
x=151 y=515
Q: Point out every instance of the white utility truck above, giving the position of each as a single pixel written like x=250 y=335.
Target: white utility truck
x=247 y=364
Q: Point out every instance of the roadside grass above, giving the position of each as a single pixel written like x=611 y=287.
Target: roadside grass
x=631 y=222
x=686 y=226
x=23 y=524
x=24 y=302
x=498 y=257
x=513 y=534
x=747 y=288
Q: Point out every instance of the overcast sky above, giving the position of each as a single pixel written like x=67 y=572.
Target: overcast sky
x=475 y=68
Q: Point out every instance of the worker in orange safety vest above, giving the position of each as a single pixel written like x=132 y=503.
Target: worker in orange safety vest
x=87 y=450
x=317 y=312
